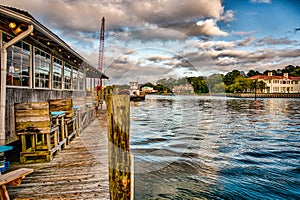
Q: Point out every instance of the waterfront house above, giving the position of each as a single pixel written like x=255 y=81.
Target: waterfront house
x=148 y=90
x=36 y=65
x=279 y=84
x=183 y=89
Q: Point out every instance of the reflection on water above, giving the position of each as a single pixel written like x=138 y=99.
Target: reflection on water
x=190 y=147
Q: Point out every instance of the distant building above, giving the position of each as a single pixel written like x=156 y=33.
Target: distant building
x=148 y=90
x=183 y=89
x=279 y=84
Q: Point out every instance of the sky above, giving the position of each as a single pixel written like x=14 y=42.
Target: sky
x=147 y=40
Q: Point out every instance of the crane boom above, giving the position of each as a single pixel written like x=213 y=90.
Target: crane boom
x=100 y=62
x=101 y=46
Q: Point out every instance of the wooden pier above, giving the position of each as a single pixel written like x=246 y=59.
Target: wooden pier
x=80 y=171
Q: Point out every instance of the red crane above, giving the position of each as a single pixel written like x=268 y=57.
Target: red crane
x=100 y=60
x=101 y=46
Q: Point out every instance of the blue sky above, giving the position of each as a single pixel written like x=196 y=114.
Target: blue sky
x=152 y=39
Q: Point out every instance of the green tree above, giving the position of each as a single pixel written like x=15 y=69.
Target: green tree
x=215 y=83
x=252 y=73
x=296 y=72
x=258 y=85
x=229 y=78
x=199 y=84
x=261 y=85
x=241 y=84
x=147 y=84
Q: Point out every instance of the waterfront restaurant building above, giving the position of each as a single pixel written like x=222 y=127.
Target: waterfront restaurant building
x=279 y=84
x=36 y=65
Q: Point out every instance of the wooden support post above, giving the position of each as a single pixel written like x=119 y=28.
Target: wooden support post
x=118 y=114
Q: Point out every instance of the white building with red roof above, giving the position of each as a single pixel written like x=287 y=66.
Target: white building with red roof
x=279 y=84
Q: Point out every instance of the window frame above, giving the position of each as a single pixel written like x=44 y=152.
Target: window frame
x=18 y=62
x=57 y=67
x=45 y=60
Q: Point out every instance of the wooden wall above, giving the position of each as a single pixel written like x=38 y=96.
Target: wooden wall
x=18 y=95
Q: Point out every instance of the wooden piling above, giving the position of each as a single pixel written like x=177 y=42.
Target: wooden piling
x=118 y=114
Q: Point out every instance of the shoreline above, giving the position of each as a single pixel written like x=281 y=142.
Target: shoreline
x=263 y=95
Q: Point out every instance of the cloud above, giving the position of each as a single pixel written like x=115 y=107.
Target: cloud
x=246 y=42
x=214 y=45
x=170 y=11
x=274 y=41
x=158 y=58
x=241 y=33
x=208 y=27
x=85 y=16
x=166 y=26
x=223 y=45
x=227 y=17
x=260 y=1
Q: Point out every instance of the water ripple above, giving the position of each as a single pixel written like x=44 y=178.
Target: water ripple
x=190 y=147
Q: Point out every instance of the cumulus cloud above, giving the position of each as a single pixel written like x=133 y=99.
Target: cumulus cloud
x=227 y=17
x=170 y=26
x=85 y=16
x=168 y=11
x=208 y=27
x=214 y=45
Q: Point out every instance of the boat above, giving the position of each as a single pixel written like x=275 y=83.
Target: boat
x=135 y=93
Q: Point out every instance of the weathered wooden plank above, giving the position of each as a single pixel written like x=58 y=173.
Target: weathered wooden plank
x=36 y=118
x=79 y=172
x=16 y=174
x=62 y=105
x=29 y=128
x=31 y=106
x=33 y=112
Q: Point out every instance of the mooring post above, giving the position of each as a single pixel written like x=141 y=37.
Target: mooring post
x=120 y=175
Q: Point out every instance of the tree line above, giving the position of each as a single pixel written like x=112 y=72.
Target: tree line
x=233 y=81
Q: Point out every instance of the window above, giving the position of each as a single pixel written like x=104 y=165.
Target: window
x=42 y=62
x=90 y=84
x=67 y=76
x=57 y=73
x=81 y=80
x=18 y=65
x=296 y=82
x=75 y=79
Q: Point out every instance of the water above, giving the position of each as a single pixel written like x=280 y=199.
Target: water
x=191 y=147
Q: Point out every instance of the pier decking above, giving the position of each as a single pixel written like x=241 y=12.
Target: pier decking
x=80 y=171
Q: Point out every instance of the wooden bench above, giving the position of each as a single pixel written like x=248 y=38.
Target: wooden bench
x=12 y=178
x=39 y=138
x=70 y=119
